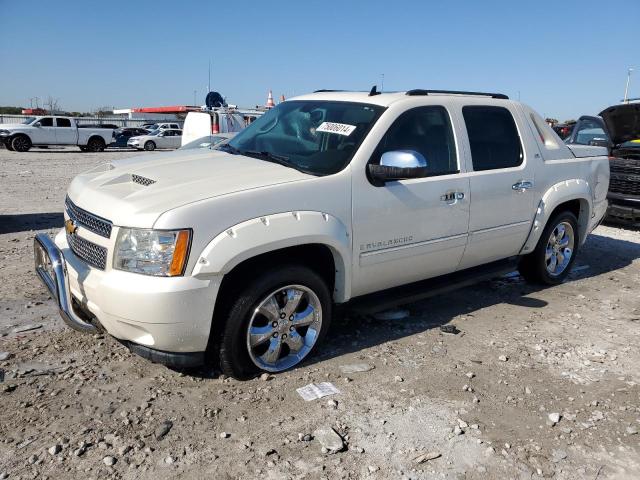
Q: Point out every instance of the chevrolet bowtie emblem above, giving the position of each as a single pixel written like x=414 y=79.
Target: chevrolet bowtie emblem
x=70 y=227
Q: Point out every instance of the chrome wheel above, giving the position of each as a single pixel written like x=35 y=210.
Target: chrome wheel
x=284 y=328
x=559 y=249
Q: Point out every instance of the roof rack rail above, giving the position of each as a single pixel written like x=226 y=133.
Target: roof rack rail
x=418 y=91
x=327 y=90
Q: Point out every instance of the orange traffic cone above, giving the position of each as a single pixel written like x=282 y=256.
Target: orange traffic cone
x=270 y=102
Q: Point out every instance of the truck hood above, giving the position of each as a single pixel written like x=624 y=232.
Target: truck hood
x=623 y=122
x=11 y=126
x=135 y=192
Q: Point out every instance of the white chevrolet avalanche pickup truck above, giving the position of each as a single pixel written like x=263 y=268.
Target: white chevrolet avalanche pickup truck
x=51 y=130
x=240 y=255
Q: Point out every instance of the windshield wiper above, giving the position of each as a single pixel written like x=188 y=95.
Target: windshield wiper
x=273 y=157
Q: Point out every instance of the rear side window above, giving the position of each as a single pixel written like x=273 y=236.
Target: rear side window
x=426 y=130
x=493 y=137
x=63 y=122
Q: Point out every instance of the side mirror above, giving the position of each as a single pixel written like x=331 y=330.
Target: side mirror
x=161 y=134
x=399 y=165
x=37 y=124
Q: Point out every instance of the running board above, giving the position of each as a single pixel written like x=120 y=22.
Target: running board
x=413 y=292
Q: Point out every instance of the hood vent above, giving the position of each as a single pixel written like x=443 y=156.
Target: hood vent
x=141 y=180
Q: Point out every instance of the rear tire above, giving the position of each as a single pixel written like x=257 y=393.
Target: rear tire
x=295 y=337
x=150 y=146
x=95 y=144
x=21 y=143
x=553 y=257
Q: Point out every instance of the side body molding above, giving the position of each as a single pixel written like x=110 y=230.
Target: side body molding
x=273 y=232
x=565 y=191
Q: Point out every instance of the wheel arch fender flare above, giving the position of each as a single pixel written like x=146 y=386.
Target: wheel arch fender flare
x=557 y=194
x=273 y=232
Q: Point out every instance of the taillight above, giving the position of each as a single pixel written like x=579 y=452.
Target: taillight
x=215 y=128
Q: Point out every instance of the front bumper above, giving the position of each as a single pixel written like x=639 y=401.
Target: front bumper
x=623 y=208
x=167 y=320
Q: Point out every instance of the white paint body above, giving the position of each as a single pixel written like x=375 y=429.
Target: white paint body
x=239 y=207
x=56 y=134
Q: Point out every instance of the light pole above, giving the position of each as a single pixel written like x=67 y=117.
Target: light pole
x=626 y=89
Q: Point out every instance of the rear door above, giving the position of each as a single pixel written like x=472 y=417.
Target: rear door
x=503 y=199
x=65 y=133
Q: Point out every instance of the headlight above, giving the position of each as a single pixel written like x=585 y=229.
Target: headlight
x=161 y=253
x=4 y=133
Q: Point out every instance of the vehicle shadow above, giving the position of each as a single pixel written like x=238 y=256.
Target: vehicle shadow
x=25 y=222
x=600 y=255
x=352 y=333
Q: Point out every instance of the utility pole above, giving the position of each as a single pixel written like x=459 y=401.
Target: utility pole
x=626 y=89
x=382 y=83
x=194 y=97
x=209 y=84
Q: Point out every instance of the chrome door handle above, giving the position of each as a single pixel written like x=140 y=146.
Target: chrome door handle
x=452 y=197
x=522 y=185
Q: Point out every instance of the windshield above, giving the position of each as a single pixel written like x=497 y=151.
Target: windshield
x=28 y=120
x=317 y=137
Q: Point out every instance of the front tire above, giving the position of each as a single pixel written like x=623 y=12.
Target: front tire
x=553 y=257
x=21 y=143
x=8 y=146
x=275 y=322
x=150 y=146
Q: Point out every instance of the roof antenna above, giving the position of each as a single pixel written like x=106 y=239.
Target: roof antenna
x=374 y=91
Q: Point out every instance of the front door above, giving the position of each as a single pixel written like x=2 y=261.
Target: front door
x=44 y=133
x=503 y=199
x=410 y=230
x=65 y=135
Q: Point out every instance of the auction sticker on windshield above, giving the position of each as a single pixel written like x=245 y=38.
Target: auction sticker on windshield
x=338 y=128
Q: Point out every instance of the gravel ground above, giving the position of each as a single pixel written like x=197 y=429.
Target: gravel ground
x=538 y=383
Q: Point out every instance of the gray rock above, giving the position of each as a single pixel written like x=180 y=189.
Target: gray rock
x=225 y=435
x=457 y=430
x=425 y=457
x=56 y=449
x=163 y=429
x=558 y=455
x=169 y=460
x=632 y=430
x=329 y=439
x=109 y=461
x=503 y=358
x=4 y=475
x=356 y=368
x=4 y=356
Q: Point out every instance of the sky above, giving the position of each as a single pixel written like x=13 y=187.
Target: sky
x=564 y=58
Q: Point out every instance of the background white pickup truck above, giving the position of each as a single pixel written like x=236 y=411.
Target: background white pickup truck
x=330 y=198
x=52 y=130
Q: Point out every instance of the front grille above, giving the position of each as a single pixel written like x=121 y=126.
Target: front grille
x=94 y=255
x=141 y=180
x=88 y=220
x=627 y=184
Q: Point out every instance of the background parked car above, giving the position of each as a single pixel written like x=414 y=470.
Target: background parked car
x=169 y=138
x=122 y=135
x=588 y=130
x=163 y=126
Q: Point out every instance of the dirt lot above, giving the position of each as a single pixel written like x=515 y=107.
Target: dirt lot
x=538 y=383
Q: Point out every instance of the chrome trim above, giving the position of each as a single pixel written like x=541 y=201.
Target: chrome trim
x=412 y=245
x=91 y=253
x=500 y=227
x=94 y=223
x=49 y=260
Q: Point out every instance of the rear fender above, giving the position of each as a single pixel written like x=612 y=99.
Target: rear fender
x=273 y=232
x=565 y=191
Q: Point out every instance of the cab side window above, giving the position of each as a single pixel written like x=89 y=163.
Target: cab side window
x=428 y=131
x=493 y=137
x=46 y=122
